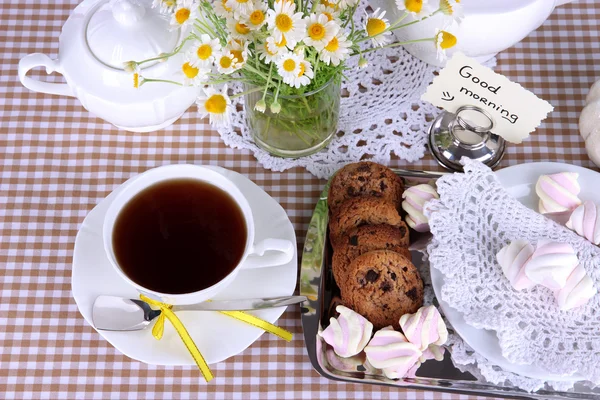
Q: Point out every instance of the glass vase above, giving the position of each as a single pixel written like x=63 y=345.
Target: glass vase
x=306 y=123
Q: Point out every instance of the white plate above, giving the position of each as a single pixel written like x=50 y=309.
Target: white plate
x=217 y=336
x=520 y=182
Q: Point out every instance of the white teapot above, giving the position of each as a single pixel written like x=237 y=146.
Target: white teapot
x=488 y=27
x=98 y=37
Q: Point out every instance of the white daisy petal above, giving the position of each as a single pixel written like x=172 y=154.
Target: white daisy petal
x=238 y=29
x=418 y=8
x=204 y=51
x=337 y=50
x=257 y=16
x=194 y=75
x=216 y=104
x=239 y=7
x=222 y=9
x=320 y=31
x=184 y=13
x=375 y=26
x=284 y=22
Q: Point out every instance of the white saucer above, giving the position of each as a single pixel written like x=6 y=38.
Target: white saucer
x=217 y=336
x=520 y=182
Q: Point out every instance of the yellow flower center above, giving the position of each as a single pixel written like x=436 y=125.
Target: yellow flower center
x=237 y=56
x=448 y=40
x=289 y=65
x=204 y=52
x=241 y=29
x=413 y=5
x=375 y=26
x=316 y=31
x=189 y=71
x=257 y=17
x=136 y=80
x=216 y=104
x=225 y=6
x=333 y=45
x=282 y=43
x=302 y=69
x=225 y=62
x=328 y=15
x=284 y=23
x=182 y=15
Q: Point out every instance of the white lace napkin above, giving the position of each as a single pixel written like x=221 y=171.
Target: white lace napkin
x=474 y=218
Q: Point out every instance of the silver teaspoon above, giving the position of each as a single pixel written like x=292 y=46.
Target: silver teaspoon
x=113 y=313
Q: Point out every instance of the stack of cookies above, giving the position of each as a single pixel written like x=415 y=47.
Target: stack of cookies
x=371 y=261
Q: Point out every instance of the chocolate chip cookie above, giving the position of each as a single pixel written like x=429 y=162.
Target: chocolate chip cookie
x=364 y=178
x=383 y=285
x=359 y=211
x=363 y=239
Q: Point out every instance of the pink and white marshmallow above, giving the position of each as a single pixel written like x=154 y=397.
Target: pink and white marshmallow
x=349 y=333
x=513 y=258
x=425 y=327
x=578 y=290
x=558 y=192
x=585 y=220
x=414 y=199
x=390 y=351
x=551 y=264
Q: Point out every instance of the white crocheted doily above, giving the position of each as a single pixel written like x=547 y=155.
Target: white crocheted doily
x=474 y=218
x=381 y=115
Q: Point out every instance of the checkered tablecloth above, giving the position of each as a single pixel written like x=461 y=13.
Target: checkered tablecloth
x=58 y=162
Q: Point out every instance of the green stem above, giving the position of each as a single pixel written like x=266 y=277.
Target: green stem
x=268 y=82
x=177 y=50
x=144 y=80
x=235 y=96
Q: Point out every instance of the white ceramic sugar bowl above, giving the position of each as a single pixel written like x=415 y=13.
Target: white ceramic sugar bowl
x=488 y=27
x=98 y=37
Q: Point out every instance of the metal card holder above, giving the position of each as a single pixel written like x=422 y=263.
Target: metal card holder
x=466 y=133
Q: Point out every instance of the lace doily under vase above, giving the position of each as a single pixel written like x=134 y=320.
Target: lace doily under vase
x=381 y=114
x=474 y=218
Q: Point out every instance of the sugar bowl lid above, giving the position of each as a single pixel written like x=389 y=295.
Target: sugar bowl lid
x=124 y=30
x=467 y=133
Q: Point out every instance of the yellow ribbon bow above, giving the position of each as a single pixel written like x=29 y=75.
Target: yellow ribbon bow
x=166 y=312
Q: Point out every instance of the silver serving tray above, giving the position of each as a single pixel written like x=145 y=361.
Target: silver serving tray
x=316 y=282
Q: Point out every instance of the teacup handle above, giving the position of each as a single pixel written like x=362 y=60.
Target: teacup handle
x=284 y=251
x=41 y=60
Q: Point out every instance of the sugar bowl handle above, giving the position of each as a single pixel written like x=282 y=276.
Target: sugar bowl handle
x=282 y=252
x=41 y=60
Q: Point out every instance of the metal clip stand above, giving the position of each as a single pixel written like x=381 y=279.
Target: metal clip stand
x=468 y=133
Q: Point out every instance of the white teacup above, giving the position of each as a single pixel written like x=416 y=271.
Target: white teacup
x=281 y=251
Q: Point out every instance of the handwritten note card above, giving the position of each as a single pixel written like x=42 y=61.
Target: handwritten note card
x=516 y=111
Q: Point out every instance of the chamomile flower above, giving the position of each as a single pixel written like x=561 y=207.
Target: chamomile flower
x=418 y=8
x=265 y=54
x=225 y=63
x=165 y=6
x=222 y=9
x=240 y=7
x=216 y=104
x=257 y=17
x=344 y=4
x=304 y=75
x=375 y=26
x=443 y=41
x=337 y=50
x=331 y=13
x=331 y=4
x=194 y=76
x=238 y=29
x=204 y=51
x=288 y=65
x=320 y=31
x=285 y=23
x=453 y=9
x=184 y=13
x=278 y=47
x=240 y=52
